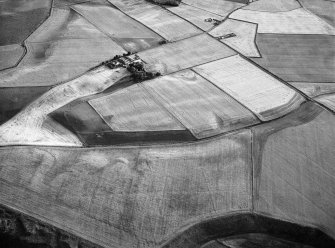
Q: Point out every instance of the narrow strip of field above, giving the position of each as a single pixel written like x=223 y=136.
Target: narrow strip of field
x=314 y=89
x=133 y=109
x=273 y=5
x=163 y=22
x=266 y=96
x=297 y=21
x=198 y=105
x=185 y=54
x=195 y=15
x=222 y=8
x=244 y=37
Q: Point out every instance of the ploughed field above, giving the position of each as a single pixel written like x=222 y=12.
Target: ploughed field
x=228 y=143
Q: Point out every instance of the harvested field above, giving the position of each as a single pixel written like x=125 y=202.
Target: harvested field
x=324 y=9
x=10 y=55
x=314 y=89
x=104 y=195
x=119 y=26
x=62 y=48
x=294 y=168
x=13 y=100
x=27 y=126
x=298 y=58
x=198 y=105
x=163 y=22
x=195 y=15
x=19 y=18
x=297 y=21
x=185 y=54
x=273 y=5
x=327 y=100
x=133 y=109
x=244 y=41
x=268 y=99
x=222 y=8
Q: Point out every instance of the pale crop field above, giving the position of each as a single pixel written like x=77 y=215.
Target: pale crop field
x=200 y=106
x=132 y=110
x=266 y=96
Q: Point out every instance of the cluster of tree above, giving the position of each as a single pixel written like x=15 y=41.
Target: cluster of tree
x=167 y=2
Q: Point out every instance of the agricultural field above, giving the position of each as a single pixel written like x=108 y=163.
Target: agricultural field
x=138 y=112
x=323 y=9
x=63 y=47
x=167 y=124
x=222 y=8
x=168 y=25
x=269 y=98
x=130 y=34
x=19 y=18
x=298 y=58
x=163 y=58
x=200 y=106
x=10 y=55
x=195 y=15
x=244 y=39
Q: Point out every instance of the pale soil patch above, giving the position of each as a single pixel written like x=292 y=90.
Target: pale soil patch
x=266 y=96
